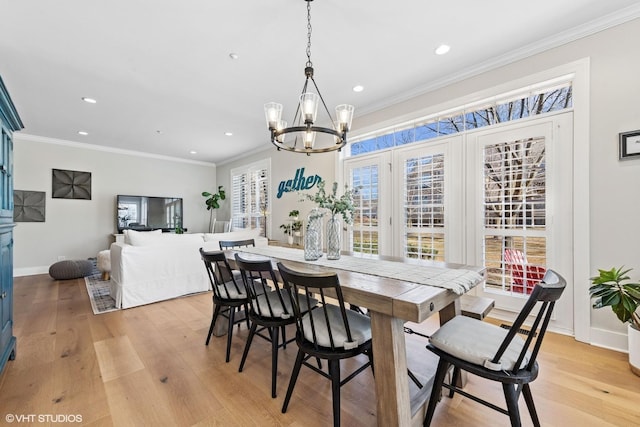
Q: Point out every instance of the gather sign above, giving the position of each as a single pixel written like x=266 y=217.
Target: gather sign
x=299 y=182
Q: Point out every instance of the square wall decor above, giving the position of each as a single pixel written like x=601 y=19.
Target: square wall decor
x=71 y=184
x=28 y=206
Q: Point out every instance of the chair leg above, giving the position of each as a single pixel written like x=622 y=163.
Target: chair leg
x=528 y=397
x=284 y=337
x=232 y=312
x=294 y=378
x=334 y=372
x=274 y=359
x=511 y=396
x=214 y=317
x=454 y=380
x=246 y=315
x=252 y=332
x=441 y=372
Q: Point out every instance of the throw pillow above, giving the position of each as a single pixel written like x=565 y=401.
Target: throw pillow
x=142 y=238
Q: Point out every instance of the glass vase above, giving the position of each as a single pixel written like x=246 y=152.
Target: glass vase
x=334 y=237
x=313 y=236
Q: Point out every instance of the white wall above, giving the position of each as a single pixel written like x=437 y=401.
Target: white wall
x=78 y=229
x=283 y=167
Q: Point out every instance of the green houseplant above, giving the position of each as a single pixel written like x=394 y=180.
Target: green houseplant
x=213 y=202
x=611 y=288
x=288 y=232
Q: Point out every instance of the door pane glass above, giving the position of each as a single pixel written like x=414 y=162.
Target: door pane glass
x=515 y=214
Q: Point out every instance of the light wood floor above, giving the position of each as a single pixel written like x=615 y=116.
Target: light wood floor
x=148 y=366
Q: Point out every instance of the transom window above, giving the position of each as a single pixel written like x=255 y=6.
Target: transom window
x=500 y=109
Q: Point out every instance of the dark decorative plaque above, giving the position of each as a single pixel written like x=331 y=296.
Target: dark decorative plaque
x=71 y=184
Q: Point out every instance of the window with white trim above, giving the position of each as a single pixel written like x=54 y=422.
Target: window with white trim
x=250 y=195
x=546 y=97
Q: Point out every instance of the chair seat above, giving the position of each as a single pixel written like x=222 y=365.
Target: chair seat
x=476 y=342
x=229 y=291
x=276 y=306
x=359 y=324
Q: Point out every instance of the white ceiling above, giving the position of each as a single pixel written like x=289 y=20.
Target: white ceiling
x=165 y=84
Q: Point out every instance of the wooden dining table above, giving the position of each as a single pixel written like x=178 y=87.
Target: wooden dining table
x=390 y=302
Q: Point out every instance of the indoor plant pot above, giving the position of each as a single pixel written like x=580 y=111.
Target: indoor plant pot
x=634 y=348
x=611 y=288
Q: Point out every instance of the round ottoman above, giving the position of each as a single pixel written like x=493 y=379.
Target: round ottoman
x=68 y=269
x=104 y=263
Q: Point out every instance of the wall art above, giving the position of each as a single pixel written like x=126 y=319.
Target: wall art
x=629 y=145
x=71 y=184
x=28 y=206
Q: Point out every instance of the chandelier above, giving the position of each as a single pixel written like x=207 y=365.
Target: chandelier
x=303 y=130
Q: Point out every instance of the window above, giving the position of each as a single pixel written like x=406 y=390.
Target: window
x=515 y=213
x=365 y=219
x=250 y=195
x=424 y=207
x=546 y=98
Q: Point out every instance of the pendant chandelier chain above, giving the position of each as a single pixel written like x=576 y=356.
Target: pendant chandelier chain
x=309 y=63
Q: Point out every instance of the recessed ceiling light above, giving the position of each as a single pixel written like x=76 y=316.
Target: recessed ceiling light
x=89 y=100
x=442 y=49
x=233 y=56
x=193 y=152
x=358 y=88
x=83 y=133
x=228 y=134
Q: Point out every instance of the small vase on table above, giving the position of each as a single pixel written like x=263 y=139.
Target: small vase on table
x=334 y=237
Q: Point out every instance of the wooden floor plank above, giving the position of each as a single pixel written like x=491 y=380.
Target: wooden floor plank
x=149 y=366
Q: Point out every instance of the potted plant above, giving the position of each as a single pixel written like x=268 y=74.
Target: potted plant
x=611 y=288
x=296 y=226
x=213 y=202
x=287 y=231
x=294 y=214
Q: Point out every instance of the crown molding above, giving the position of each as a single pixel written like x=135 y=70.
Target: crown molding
x=603 y=23
x=85 y=146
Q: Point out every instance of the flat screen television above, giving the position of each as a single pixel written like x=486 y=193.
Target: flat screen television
x=145 y=213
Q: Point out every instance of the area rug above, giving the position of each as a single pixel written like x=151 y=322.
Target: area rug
x=98 y=290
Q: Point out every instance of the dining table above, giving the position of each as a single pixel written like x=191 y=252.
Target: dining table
x=394 y=291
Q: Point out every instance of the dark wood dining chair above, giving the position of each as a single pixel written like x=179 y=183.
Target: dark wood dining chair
x=229 y=294
x=496 y=354
x=330 y=331
x=235 y=244
x=270 y=309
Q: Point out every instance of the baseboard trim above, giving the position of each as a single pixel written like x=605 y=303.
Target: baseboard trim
x=30 y=271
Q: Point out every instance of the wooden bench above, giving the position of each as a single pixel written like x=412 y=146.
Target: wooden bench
x=476 y=307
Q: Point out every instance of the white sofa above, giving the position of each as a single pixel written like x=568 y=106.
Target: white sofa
x=154 y=266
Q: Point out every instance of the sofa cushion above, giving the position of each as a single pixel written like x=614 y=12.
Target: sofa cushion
x=139 y=238
x=151 y=238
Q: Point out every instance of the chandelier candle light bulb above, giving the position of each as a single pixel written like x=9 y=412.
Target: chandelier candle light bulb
x=309 y=106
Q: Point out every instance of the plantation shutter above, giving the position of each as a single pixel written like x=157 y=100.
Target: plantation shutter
x=250 y=195
x=423 y=207
x=514 y=216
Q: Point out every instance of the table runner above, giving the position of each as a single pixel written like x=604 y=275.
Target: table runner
x=457 y=280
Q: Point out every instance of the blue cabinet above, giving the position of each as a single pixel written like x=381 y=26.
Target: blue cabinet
x=9 y=123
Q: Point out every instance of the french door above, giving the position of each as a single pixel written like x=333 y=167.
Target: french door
x=500 y=197
x=519 y=207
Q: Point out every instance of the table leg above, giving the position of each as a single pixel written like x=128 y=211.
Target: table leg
x=390 y=367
